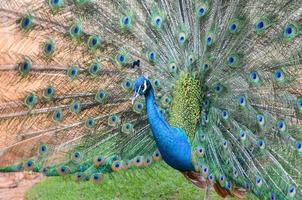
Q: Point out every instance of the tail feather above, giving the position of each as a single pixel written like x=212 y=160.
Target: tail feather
x=221 y=191
x=196 y=179
x=67 y=70
x=199 y=181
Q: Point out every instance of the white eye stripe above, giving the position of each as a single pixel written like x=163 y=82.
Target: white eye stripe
x=139 y=89
x=145 y=86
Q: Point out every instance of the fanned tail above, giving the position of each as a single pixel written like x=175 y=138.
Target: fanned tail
x=227 y=72
x=251 y=117
x=66 y=78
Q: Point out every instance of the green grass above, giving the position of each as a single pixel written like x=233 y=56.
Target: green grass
x=155 y=182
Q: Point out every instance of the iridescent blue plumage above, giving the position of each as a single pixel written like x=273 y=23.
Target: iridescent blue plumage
x=172 y=142
x=225 y=74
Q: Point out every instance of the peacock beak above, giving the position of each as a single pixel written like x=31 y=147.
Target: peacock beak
x=135 y=96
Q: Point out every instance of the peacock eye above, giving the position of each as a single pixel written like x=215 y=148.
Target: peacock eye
x=142 y=87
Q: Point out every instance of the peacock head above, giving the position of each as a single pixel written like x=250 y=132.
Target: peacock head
x=141 y=86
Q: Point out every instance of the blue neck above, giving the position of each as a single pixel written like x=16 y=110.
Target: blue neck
x=172 y=142
x=155 y=118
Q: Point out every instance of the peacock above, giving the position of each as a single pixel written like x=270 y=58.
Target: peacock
x=217 y=91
